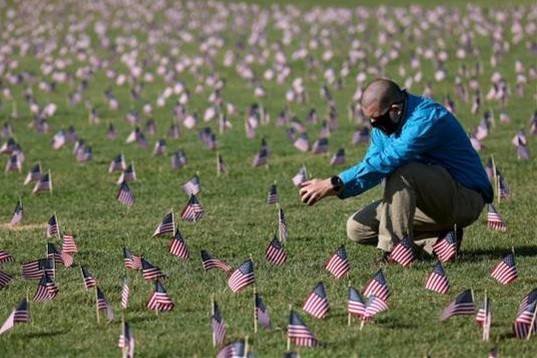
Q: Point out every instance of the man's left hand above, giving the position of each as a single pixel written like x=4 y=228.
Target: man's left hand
x=313 y=190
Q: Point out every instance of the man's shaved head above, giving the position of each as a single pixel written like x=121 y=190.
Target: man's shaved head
x=379 y=95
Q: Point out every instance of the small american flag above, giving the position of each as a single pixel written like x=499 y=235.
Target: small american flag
x=46 y=290
x=261 y=312
x=149 y=271
x=494 y=220
x=505 y=271
x=178 y=159
x=178 y=246
x=5 y=257
x=5 y=279
x=130 y=260
x=102 y=305
x=377 y=286
x=403 y=253
x=300 y=177
x=338 y=265
x=118 y=164
x=124 y=195
x=261 y=158
x=69 y=244
x=160 y=147
x=361 y=136
x=33 y=270
x=44 y=184
x=89 y=280
x=374 y=306
x=126 y=341
x=13 y=164
x=193 y=210
x=236 y=349
x=338 y=158
x=218 y=325
x=111 y=133
x=53 y=228
x=159 y=300
x=298 y=333
x=127 y=175
x=275 y=253
x=483 y=316
x=18 y=214
x=21 y=314
x=355 y=303
x=34 y=175
x=320 y=146
x=445 y=248
x=125 y=291
x=527 y=300
x=283 y=233
x=193 y=186
x=302 y=143
x=221 y=167
x=242 y=277
x=53 y=254
x=317 y=303
x=522 y=324
x=210 y=262
x=463 y=305
x=437 y=280
x=174 y=131
x=272 y=196
x=166 y=227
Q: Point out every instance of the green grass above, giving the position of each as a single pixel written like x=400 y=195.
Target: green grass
x=239 y=223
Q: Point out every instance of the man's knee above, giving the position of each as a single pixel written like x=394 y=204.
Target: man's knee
x=360 y=232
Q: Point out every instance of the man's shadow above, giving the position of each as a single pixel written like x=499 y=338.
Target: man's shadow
x=497 y=252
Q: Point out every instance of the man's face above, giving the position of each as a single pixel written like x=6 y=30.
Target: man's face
x=387 y=120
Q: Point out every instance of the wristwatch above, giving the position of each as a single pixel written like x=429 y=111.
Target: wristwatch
x=337 y=184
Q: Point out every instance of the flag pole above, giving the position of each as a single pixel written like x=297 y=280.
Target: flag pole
x=255 y=309
x=212 y=315
x=58 y=224
x=97 y=305
x=532 y=325
x=349 y=317
x=485 y=322
x=50 y=181
x=288 y=338
x=245 y=347
x=217 y=163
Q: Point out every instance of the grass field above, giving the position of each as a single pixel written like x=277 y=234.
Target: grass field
x=238 y=222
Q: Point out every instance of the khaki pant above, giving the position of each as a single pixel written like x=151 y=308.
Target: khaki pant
x=420 y=201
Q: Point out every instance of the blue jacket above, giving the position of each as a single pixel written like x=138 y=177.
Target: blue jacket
x=429 y=134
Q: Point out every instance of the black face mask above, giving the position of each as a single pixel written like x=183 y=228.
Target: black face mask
x=388 y=123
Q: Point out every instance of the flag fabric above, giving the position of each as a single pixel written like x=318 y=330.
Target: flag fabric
x=403 y=252
x=338 y=158
x=127 y=175
x=242 y=277
x=5 y=257
x=527 y=300
x=505 y=271
x=159 y=300
x=118 y=164
x=437 y=280
x=89 y=280
x=317 y=302
x=275 y=253
x=160 y=147
x=261 y=158
x=445 y=248
x=462 y=305
x=44 y=184
x=69 y=244
x=53 y=228
x=18 y=214
x=338 y=265
x=178 y=159
x=5 y=279
x=166 y=227
x=178 y=246
x=125 y=291
x=150 y=271
x=46 y=290
x=34 y=175
x=494 y=220
x=374 y=306
x=298 y=333
x=320 y=146
x=102 y=305
x=302 y=143
x=53 y=254
x=272 y=196
x=483 y=316
x=209 y=262
x=300 y=177
x=33 y=270
x=283 y=233
x=193 y=186
x=355 y=303
x=235 y=349
x=218 y=325
x=131 y=261
x=261 y=312
x=13 y=164
x=377 y=286
x=126 y=341
x=193 y=210
x=124 y=195
x=522 y=325
x=221 y=167
x=21 y=314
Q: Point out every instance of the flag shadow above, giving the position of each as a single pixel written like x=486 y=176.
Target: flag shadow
x=497 y=252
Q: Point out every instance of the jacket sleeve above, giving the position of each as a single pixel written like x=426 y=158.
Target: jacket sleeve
x=421 y=132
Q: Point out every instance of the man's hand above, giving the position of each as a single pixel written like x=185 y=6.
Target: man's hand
x=313 y=190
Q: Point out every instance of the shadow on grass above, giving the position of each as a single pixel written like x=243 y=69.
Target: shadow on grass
x=520 y=251
x=46 y=334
